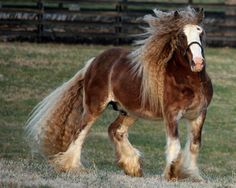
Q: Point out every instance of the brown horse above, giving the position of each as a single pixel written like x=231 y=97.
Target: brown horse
x=164 y=77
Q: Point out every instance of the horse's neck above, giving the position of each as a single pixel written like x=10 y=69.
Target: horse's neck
x=203 y=75
x=180 y=60
x=179 y=66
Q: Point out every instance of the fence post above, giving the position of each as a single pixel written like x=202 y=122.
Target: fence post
x=60 y=5
x=121 y=7
x=230 y=7
x=190 y=2
x=230 y=21
x=40 y=7
x=118 y=24
x=124 y=5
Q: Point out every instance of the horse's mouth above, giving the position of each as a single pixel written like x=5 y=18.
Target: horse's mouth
x=197 y=67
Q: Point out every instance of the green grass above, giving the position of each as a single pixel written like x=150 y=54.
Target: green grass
x=28 y=72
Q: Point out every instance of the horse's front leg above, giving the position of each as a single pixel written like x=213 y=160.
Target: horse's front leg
x=173 y=149
x=189 y=161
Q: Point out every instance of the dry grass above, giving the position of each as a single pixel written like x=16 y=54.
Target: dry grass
x=28 y=173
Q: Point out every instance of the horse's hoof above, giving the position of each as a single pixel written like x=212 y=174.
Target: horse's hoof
x=171 y=173
x=62 y=162
x=134 y=173
x=132 y=166
x=132 y=170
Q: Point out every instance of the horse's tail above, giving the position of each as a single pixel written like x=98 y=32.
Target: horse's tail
x=54 y=121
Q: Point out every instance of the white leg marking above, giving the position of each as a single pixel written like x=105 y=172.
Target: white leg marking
x=70 y=159
x=128 y=154
x=189 y=160
x=76 y=146
x=172 y=150
x=126 y=149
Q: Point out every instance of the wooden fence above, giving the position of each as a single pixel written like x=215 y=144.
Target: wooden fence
x=104 y=21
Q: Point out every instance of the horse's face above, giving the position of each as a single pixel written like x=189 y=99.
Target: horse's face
x=194 y=49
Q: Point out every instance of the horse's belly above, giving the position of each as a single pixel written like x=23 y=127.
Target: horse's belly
x=136 y=110
x=146 y=114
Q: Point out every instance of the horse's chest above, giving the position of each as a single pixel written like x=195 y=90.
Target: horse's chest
x=198 y=104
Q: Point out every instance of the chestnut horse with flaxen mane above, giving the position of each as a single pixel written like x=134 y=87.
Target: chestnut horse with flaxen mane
x=164 y=77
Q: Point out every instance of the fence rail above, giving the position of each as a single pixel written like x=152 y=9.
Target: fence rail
x=104 y=21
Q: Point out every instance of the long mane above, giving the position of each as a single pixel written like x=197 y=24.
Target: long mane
x=155 y=48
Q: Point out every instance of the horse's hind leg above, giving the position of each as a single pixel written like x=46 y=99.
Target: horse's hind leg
x=127 y=156
x=70 y=159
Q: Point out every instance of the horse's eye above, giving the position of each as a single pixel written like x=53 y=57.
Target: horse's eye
x=199 y=29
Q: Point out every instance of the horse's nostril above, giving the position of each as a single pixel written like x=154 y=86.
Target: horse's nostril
x=198 y=60
x=199 y=66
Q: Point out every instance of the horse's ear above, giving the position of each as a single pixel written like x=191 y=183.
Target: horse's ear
x=200 y=15
x=176 y=15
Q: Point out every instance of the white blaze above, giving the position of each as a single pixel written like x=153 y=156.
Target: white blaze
x=192 y=33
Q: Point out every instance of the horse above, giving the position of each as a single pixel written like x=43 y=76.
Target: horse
x=163 y=77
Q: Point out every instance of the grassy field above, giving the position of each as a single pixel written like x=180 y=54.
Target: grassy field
x=28 y=72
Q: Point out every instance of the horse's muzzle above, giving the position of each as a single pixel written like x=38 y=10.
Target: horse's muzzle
x=197 y=64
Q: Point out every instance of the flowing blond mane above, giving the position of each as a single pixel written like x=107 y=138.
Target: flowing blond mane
x=155 y=49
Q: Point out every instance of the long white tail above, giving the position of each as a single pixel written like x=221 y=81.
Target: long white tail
x=54 y=121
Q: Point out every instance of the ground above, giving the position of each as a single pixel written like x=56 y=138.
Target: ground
x=28 y=72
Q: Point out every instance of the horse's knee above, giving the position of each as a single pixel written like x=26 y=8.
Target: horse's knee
x=194 y=148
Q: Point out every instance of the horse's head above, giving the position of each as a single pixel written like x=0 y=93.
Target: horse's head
x=169 y=32
x=192 y=39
